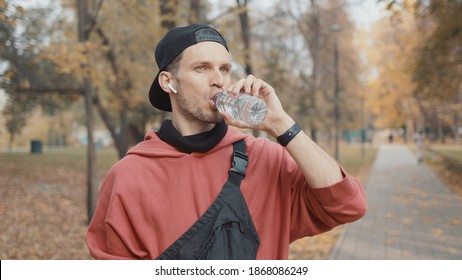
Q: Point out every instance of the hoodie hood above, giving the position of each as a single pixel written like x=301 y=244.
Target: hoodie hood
x=153 y=146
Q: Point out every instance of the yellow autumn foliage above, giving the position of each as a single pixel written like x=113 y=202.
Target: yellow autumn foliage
x=391 y=79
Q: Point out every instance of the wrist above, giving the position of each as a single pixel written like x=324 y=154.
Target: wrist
x=280 y=127
x=290 y=134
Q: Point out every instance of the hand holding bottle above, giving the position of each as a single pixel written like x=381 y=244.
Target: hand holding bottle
x=277 y=121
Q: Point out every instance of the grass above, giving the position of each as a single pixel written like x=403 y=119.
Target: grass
x=355 y=162
x=446 y=161
x=72 y=159
x=449 y=151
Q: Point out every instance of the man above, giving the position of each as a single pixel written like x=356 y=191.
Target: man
x=419 y=145
x=169 y=198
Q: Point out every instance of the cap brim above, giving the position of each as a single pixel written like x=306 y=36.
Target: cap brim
x=158 y=97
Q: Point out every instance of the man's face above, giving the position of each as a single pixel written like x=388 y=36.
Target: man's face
x=204 y=70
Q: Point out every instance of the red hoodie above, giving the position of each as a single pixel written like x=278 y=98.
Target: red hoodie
x=154 y=194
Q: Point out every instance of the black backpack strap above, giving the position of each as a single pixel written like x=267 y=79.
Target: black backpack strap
x=226 y=230
x=238 y=163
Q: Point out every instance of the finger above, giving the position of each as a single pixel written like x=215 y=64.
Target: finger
x=248 y=83
x=232 y=121
x=256 y=87
x=236 y=87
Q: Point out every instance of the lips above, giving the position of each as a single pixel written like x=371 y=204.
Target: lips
x=215 y=94
x=213 y=106
x=212 y=103
x=212 y=100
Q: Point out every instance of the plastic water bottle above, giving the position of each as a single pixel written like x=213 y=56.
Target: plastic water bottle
x=244 y=107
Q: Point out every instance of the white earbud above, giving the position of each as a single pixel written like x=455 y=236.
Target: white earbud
x=172 y=88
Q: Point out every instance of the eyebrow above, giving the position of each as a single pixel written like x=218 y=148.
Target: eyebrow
x=205 y=62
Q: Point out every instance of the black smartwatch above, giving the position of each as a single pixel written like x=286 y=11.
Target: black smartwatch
x=285 y=138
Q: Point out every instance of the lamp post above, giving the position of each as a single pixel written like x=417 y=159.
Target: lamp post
x=364 y=116
x=335 y=28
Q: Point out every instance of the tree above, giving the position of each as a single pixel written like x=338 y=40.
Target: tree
x=391 y=51
x=242 y=9
x=198 y=12
x=15 y=112
x=437 y=66
x=295 y=47
x=85 y=25
x=29 y=80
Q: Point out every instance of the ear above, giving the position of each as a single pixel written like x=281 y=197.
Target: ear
x=164 y=79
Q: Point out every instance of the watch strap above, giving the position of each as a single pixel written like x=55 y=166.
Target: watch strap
x=285 y=138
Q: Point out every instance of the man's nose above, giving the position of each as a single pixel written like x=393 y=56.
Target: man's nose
x=217 y=79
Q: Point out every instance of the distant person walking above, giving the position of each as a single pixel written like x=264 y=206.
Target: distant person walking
x=390 y=137
x=419 y=145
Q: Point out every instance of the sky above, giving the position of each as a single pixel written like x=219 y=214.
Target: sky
x=365 y=12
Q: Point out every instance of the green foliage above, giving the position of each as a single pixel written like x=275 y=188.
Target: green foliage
x=27 y=78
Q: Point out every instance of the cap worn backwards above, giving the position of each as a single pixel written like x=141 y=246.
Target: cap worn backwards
x=173 y=44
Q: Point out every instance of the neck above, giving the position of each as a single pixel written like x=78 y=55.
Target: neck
x=192 y=128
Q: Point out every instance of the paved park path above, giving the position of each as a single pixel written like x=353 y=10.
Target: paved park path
x=411 y=213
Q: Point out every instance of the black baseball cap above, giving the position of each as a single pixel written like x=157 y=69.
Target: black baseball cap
x=173 y=44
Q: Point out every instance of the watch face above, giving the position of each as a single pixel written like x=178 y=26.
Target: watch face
x=285 y=138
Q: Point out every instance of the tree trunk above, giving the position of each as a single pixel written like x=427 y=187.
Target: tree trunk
x=10 y=144
x=196 y=15
x=245 y=34
x=310 y=28
x=457 y=118
x=168 y=13
x=92 y=190
x=122 y=85
x=314 y=45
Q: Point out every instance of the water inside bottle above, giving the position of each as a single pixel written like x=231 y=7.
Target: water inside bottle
x=253 y=111
x=244 y=107
x=226 y=104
